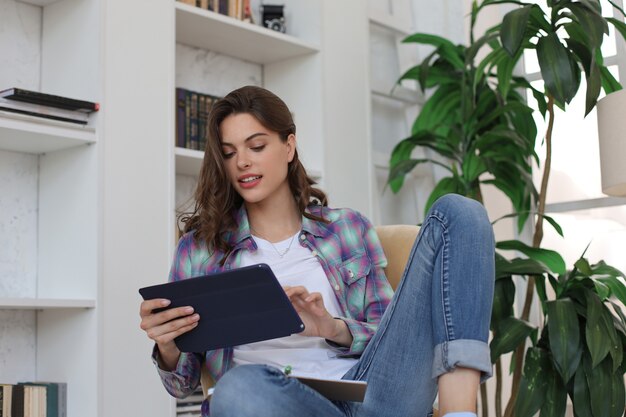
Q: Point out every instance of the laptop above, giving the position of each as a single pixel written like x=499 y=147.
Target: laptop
x=236 y=307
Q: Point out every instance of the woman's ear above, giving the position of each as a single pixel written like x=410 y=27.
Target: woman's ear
x=291 y=147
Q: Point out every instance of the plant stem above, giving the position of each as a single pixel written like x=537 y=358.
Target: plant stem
x=537 y=238
x=499 y=387
x=484 y=400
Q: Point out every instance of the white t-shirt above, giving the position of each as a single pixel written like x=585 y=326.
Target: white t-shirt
x=307 y=356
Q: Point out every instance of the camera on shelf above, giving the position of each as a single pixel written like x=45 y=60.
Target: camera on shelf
x=273 y=17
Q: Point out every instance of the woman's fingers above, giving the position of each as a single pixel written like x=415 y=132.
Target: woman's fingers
x=170 y=330
x=164 y=326
x=147 y=306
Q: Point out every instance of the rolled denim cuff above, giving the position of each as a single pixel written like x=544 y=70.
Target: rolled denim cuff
x=463 y=353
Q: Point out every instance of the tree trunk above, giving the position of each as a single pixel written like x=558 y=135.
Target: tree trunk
x=537 y=238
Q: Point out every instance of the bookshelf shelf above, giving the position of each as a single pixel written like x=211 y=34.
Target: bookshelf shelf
x=188 y=161
x=39 y=2
x=223 y=34
x=45 y=303
x=390 y=22
x=31 y=134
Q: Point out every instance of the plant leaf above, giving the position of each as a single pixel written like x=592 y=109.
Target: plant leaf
x=556 y=395
x=580 y=394
x=564 y=336
x=550 y=258
x=473 y=166
x=554 y=224
x=402 y=168
x=559 y=73
x=617 y=395
x=619 y=25
x=600 y=381
x=447 y=50
x=532 y=391
x=509 y=334
x=519 y=266
x=609 y=83
x=594 y=86
x=592 y=24
x=597 y=339
x=503 y=299
x=513 y=28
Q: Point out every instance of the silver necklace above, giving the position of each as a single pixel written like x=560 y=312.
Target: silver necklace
x=279 y=253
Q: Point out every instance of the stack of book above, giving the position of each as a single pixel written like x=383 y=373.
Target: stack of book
x=239 y=9
x=48 y=106
x=33 y=399
x=192 y=114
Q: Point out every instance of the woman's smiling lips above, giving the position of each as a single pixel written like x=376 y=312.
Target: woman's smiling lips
x=249 y=180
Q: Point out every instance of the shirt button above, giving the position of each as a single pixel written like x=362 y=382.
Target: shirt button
x=302 y=236
x=337 y=287
x=351 y=274
x=314 y=253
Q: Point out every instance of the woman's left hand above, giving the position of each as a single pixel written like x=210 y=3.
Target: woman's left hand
x=317 y=320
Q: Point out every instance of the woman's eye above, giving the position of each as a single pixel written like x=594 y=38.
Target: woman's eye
x=258 y=148
x=228 y=155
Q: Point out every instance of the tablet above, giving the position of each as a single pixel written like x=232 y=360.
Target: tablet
x=236 y=307
x=337 y=389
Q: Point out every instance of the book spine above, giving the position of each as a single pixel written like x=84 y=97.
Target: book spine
x=44 y=116
x=35 y=97
x=193 y=118
x=17 y=401
x=202 y=120
x=180 y=117
x=187 y=119
x=223 y=7
x=9 y=105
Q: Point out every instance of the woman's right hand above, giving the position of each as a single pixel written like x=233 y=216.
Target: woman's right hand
x=163 y=327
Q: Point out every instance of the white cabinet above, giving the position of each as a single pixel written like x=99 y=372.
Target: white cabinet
x=61 y=293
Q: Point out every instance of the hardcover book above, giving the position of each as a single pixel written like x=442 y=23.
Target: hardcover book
x=47 y=112
x=35 y=97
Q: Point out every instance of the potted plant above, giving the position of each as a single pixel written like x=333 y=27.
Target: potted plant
x=480 y=128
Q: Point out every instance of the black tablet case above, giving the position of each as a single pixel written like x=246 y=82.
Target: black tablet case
x=236 y=307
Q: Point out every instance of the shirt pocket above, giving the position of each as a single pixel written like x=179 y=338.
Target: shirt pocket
x=355 y=268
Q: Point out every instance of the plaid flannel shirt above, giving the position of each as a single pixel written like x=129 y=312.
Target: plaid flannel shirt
x=350 y=254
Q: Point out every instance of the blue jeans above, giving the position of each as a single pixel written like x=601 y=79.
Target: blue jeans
x=438 y=320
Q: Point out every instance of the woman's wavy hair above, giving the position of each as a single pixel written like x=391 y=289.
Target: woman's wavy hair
x=216 y=201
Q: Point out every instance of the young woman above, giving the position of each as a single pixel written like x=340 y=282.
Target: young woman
x=256 y=204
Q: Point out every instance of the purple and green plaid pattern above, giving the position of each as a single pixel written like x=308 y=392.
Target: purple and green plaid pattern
x=348 y=250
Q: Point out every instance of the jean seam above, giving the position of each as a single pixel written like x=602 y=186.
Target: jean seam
x=366 y=366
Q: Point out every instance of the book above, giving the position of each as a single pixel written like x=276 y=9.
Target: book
x=192 y=115
x=181 y=97
x=17 y=401
x=47 y=112
x=7 y=395
x=53 y=397
x=35 y=97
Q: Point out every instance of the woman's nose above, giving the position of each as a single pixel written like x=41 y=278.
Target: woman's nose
x=243 y=163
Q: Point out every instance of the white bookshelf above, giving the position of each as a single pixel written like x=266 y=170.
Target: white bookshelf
x=222 y=34
x=188 y=161
x=68 y=193
x=45 y=303
x=29 y=134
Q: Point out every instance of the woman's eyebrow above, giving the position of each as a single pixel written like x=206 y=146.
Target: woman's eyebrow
x=252 y=136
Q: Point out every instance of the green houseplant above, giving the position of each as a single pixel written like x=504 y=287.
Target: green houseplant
x=481 y=130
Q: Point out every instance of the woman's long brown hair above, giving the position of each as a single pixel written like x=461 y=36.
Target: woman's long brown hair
x=216 y=201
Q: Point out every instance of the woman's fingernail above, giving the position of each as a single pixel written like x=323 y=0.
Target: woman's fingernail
x=188 y=309
x=165 y=302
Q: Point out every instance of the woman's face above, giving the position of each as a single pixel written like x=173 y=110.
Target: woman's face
x=255 y=158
